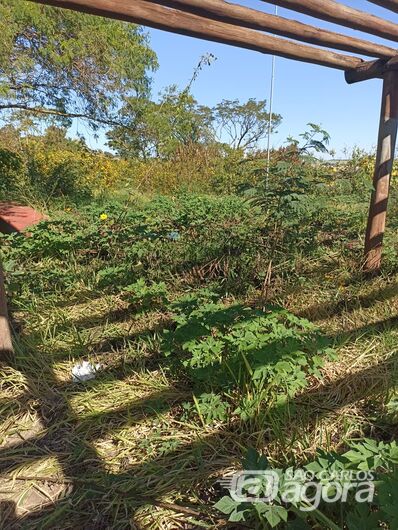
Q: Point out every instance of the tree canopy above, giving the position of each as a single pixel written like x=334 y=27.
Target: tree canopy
x=65 y=64
x=243 y=124
x=59 y=65
x=160 y=128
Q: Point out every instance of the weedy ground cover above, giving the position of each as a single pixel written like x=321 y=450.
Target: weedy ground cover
x=219 y=327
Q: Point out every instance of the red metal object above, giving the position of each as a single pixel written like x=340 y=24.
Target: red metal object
x=17 y=218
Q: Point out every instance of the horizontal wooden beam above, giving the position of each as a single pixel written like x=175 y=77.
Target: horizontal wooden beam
x=258 y=20
x=371 y=70
x=343 y=15
x=160 y=17
x=388 y=4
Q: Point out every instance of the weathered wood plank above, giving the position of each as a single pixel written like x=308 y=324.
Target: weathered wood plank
x=388 y=4
x=284 y=27
x=6 y=347
x=343 y=15
x=382 y=175
x=160 y=17
x=370 y=70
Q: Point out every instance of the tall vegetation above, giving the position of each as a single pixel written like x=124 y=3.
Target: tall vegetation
x=60 y=64
x=243 y=125
x=159 y=129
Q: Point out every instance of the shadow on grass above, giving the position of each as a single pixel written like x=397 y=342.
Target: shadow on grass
x=347 y=305
x=97 y=497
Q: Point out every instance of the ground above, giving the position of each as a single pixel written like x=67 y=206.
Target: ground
x=119 y=451
x=123 y=423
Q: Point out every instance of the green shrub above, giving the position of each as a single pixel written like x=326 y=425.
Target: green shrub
x=332 y=473
x=10 y=168
x=270 y=355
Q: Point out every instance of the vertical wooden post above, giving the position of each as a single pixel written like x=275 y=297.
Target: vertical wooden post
x=381 y=180
x=6 y=348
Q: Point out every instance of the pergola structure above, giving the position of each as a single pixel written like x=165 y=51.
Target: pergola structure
x=236 y=25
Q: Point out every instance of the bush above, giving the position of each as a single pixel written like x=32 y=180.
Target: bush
x=70 y=170
x=10 y=168
x=223 y=347
x=52 y=165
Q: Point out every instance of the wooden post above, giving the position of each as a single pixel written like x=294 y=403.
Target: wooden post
x=381 y=180
x=6 y=348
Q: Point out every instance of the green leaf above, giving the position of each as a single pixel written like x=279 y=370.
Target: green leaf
x=226 y=505
x=273 y=514
x=255 y=461
x=362 y=518
x=237 y=515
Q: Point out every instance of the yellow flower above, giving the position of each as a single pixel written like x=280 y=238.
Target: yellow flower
x=103 y=217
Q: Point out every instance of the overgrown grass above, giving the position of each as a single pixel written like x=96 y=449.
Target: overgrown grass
x=170 y=296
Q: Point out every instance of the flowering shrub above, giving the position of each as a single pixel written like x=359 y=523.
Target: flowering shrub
x=366 y=164
x=71 y=169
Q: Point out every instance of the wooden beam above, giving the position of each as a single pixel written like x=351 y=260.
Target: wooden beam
x=388 y=4
x=343 y=15
x=258 y=20
x=160 y=17
x=382 y=175
x=371 y=70
x=6 y=348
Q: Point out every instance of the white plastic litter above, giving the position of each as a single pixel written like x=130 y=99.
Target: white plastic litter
x=174 y=236
x=84 y=371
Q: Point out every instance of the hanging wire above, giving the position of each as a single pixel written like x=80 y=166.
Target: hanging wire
x=271 y=101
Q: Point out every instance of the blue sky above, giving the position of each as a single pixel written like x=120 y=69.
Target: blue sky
x=303 y=92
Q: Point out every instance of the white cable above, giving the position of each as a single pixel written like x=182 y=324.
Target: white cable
x=271 y=100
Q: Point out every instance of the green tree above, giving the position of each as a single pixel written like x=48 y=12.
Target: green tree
x=313 y=139
x=243 y=125
x=161 y=128
x=61 y=64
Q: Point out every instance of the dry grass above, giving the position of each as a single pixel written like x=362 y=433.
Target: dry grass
x=114 y=452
